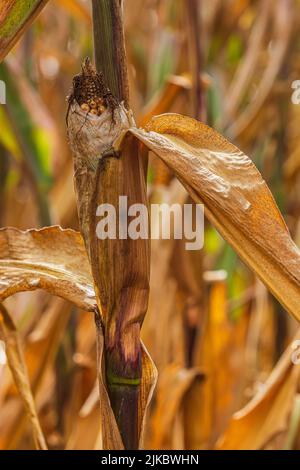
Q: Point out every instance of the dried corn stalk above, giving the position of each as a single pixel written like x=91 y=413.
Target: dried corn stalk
x=120 y=267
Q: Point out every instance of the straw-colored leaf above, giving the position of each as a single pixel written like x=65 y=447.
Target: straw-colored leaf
x=16 y=362
x=52 y=259
x=236 y=198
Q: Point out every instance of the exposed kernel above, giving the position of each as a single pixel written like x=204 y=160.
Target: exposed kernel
x=93 y=104
x=101 y=109
x=85 y=107
x=90 y=91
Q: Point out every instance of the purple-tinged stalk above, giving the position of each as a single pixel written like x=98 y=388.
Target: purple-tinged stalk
x=108 y=164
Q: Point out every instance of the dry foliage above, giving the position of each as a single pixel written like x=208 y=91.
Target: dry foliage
x=219 y=340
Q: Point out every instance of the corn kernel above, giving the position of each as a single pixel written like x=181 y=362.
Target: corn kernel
x=85 y=107
x=101 y=109
x=93 y=104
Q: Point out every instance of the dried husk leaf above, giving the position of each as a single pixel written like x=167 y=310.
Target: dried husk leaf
x=90 y=137
x=17 y=365
x=267 y=414
x=236 y=198
x=52 y=259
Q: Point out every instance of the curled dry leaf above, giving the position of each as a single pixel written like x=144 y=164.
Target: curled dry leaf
x=52 y=259
x=267 y=415
x=237 y=200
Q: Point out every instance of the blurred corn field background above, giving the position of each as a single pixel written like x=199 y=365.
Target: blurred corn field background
x=220 y=341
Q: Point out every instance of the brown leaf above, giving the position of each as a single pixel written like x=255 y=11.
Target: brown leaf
x=52 y=259
x=17 y=365
x=236 y=198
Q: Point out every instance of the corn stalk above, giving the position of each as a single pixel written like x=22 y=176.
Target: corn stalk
x=120 y=266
